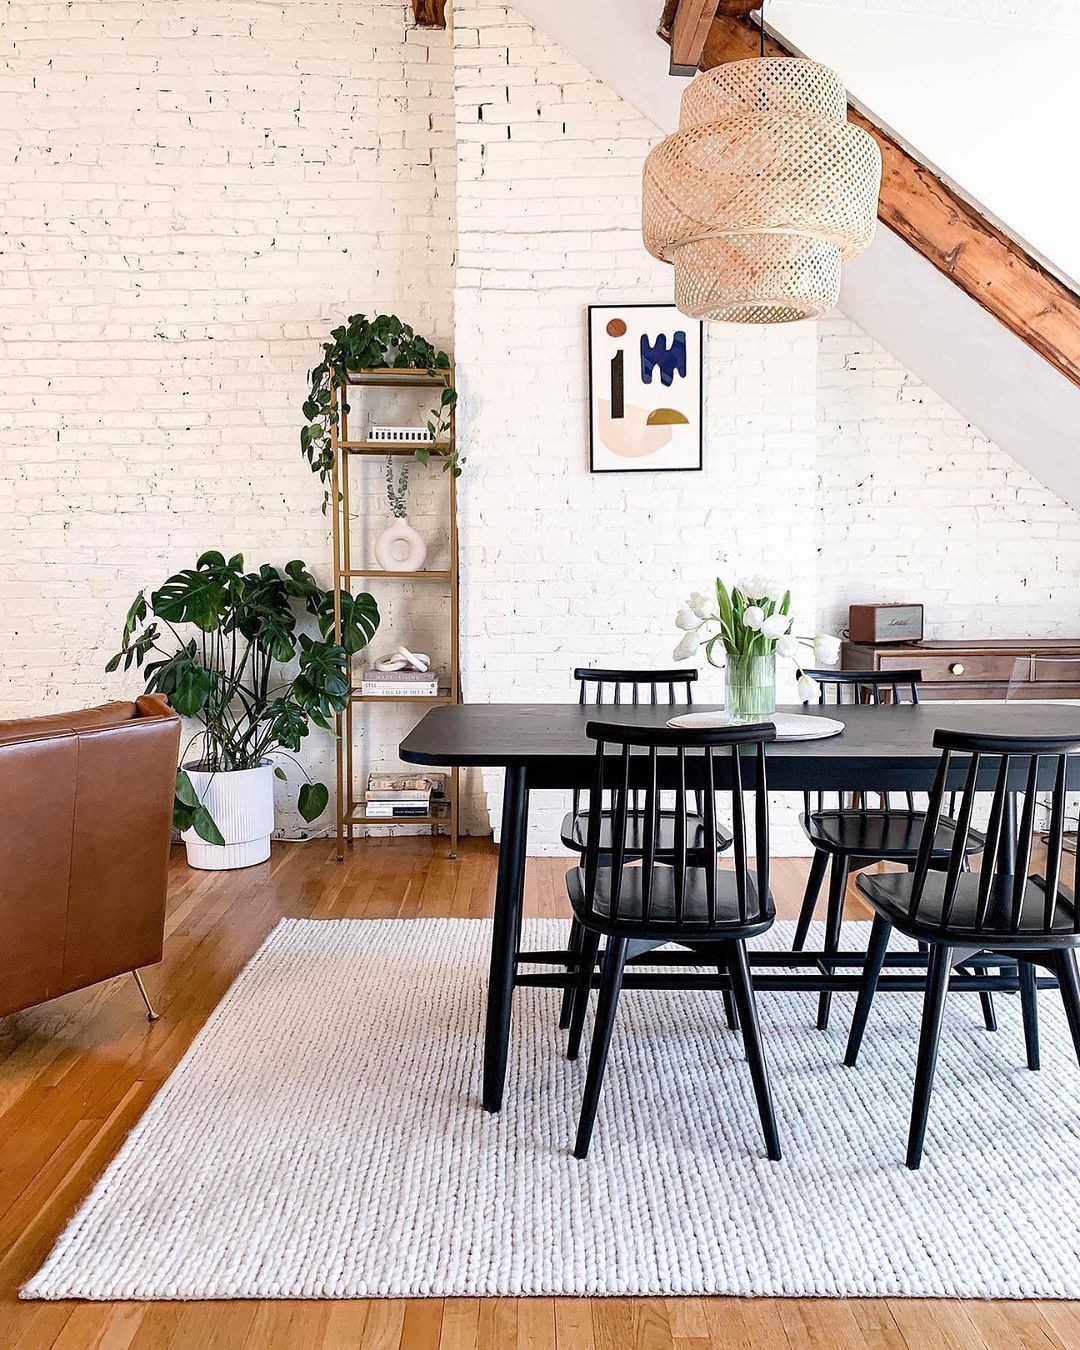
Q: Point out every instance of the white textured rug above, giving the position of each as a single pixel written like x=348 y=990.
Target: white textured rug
x=323 y=1138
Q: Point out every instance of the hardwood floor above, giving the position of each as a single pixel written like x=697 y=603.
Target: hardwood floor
x=76 y=1074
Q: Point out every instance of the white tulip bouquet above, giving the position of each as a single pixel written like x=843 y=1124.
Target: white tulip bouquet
x=751 y=624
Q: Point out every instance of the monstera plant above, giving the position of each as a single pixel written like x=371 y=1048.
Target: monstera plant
x=226 y=646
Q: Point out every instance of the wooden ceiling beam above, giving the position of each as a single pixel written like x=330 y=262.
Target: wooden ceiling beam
x=950 y=232
x=429 y=13
x=685 y=25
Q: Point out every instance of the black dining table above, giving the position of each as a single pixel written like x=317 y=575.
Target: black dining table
x=543 y=746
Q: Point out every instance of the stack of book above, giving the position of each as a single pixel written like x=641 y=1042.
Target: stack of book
x=400 y=683
x=398 y=796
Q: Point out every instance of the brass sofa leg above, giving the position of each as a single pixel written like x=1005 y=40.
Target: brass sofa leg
x=151 y=1015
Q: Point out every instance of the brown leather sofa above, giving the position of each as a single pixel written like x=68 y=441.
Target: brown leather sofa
x=85 y=824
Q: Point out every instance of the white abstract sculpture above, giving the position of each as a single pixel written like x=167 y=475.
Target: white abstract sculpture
x=403 y=659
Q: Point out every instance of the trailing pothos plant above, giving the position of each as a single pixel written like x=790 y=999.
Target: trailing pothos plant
x=370 y=344
x=229 y=674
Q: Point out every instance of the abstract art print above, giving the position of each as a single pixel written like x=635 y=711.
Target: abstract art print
x=644 y=389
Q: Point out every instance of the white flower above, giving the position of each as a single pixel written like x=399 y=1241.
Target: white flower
x=787 y=646
x=686 y=619
x=687 y=647
x=808 y=689
x=702 y=605
x=776 y=625
x=709 y=629
x=762 y=587
x=753 y=616
x=826 y=649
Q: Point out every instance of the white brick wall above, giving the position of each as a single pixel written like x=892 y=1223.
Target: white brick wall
x=198 y=191
x=917 y=504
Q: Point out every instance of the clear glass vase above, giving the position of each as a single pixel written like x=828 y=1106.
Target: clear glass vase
x=751 y=687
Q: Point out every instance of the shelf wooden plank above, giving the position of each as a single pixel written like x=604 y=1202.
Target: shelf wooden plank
x=436 y=448
x=397 y=379
x=375 y=572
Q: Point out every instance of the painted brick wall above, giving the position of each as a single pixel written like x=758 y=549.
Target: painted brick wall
x=915 y=503
x=196 y=193
x=563 y=567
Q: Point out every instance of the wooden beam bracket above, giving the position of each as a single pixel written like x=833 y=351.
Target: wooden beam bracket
x=429 y=13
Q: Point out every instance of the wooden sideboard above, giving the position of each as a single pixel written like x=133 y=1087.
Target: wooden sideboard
x=978 y=669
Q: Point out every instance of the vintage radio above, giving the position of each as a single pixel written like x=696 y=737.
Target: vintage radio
x=877 y=625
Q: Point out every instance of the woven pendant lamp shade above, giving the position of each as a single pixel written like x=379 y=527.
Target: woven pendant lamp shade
x=761 y=192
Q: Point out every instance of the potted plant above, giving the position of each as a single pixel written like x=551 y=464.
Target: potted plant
x=751 y=625
x=370 y=344
x=230 y=678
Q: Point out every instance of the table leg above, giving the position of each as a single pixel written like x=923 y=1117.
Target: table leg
x=509 y=894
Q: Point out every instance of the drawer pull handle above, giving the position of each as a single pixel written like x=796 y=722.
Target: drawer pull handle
x=956 y=668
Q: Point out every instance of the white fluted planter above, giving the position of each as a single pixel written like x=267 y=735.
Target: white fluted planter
x=242 y=805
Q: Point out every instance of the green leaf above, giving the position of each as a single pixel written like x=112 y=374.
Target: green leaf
x=135 y=615
x=191 y=691
x=280 y=774
x=203 y=824
x=288 y=722
x=185 y=790
x=723 y=604
x=182 y=816
x=113 y=663
x=312 y=801
x=359 y=619
x=192 y=596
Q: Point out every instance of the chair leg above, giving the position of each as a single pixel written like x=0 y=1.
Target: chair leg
x=590 y=945
x=1030 y=1008
x=838 y=879
x=573 y=947
x=1065 y=970
x=606 y=1005
x=875 y=959
x=151 y=1014
x=986 y=999
x=818 y=864
x=743 y=988
x=937 y=986
x=730 y=1009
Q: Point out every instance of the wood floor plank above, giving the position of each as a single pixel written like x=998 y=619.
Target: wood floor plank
x=77 y=1073
x=573 y=1324
x=935 y=1324
x=460 y=1324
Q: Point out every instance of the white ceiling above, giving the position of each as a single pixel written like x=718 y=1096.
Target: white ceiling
x=1059 y=15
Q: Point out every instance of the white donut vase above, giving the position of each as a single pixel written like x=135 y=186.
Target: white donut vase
x=400 y=549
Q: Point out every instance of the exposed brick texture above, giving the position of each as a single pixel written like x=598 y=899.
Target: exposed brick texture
x=197 y=192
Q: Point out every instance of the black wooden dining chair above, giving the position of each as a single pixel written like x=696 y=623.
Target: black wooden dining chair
x=857 y=836
x=633 y=688
x=685 y=900
x=998 y=911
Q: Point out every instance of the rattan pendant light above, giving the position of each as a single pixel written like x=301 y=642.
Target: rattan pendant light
x=761 y=192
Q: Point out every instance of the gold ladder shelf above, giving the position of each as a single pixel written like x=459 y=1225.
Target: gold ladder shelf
x=351 y=814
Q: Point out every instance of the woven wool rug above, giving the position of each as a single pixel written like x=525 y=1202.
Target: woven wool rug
x=323 y=1138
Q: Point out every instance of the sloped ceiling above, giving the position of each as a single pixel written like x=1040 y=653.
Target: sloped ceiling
x=949 y=341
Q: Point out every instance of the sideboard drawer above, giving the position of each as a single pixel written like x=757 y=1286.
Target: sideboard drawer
x=1056 y=670
x=962 y=668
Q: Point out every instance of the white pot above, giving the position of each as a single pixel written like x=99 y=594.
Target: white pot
x=400 y=549
x=241 y=802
